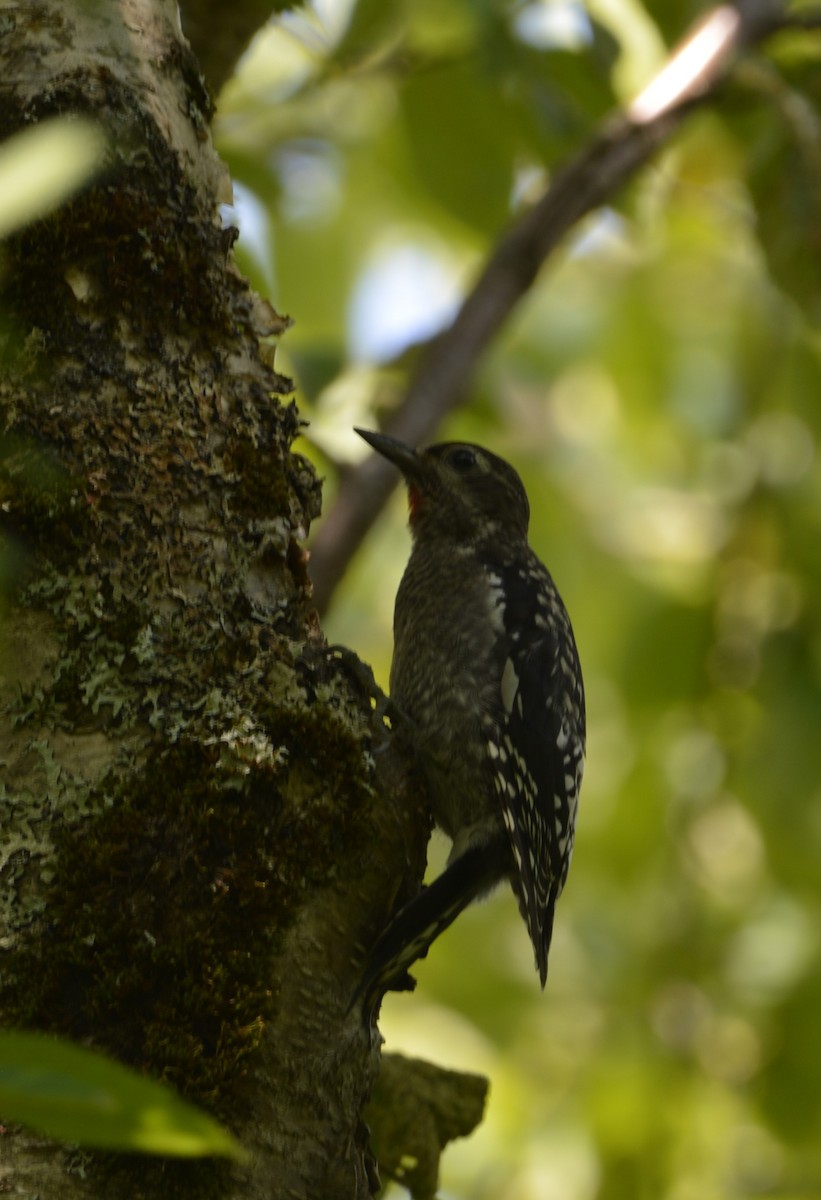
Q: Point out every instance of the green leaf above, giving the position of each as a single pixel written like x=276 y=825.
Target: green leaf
x=44 y=166
x=81 y=1096
x=445 y=108
x=780 y=136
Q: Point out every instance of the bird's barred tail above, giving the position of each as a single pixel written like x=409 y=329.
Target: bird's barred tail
x=417 y=925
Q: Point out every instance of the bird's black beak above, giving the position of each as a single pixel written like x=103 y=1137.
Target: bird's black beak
x=402 y=456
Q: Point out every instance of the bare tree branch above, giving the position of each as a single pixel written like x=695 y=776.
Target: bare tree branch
x=693 y=72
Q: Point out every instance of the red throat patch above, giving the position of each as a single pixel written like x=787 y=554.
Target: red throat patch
x=414 y=501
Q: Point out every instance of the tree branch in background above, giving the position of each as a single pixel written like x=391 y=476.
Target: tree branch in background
x=693 y=72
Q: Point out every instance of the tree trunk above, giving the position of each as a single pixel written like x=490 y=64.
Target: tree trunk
x=189 y=810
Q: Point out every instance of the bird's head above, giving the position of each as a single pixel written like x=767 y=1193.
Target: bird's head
x=458 y=488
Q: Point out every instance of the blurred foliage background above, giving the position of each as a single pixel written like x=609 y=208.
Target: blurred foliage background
x=658 y=392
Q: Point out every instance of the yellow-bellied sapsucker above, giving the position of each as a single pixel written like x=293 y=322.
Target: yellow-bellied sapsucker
x=486 y=673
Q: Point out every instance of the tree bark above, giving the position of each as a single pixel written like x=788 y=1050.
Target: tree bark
x=191 y=783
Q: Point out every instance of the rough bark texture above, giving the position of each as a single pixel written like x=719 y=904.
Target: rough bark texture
x=189 y=799
x=417 y=1109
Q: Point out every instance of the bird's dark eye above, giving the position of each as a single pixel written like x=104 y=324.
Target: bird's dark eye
x=462 y=459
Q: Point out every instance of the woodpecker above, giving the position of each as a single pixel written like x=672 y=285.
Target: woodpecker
x=486 y=676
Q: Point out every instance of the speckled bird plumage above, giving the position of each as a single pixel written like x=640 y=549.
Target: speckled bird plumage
x=486 y=672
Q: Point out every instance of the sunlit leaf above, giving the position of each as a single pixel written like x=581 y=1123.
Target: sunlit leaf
x=78 y=1095
x=45 y=165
